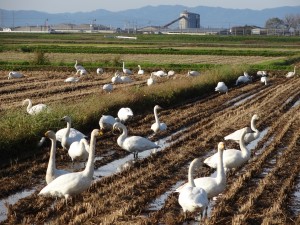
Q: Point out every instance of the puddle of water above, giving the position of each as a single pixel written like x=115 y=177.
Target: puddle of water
x=296 y=103
x=159 y=202
x=12 y=200
x=295 y=201
x=244 y=100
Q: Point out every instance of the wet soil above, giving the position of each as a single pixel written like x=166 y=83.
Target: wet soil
x=260 y=192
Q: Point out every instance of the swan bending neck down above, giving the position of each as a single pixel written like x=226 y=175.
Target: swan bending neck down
x=232 y=158
x=212 y=185
x=191 y=197
x=52 y=173
x=133 y=144
x=157 y=126
x=74 y=183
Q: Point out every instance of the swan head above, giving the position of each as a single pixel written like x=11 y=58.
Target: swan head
x=118 y=126
x=26 y=101
x=66 y=118
x=221 y=146
x=97 y=133
x=50 y=134
x=158 y=107
x=255 y=117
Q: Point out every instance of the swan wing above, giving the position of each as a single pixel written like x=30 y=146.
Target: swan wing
x=74 y=135
x=137 y=143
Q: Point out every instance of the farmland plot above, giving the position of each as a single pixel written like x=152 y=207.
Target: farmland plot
x=261 y=192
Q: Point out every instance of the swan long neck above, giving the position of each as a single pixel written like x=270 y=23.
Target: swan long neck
x=123 y=65
x=220 y=167
x=52 y=164
x=68 y=129
x=155 y=115
x=89 y=169
x=253 y=127
x=243 y=147
x=124 y=132
x=29 y=105
x=191 y=173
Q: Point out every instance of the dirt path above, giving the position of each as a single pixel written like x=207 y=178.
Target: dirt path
x=257 y=193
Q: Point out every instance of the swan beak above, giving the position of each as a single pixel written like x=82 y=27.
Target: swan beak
x=100 y=133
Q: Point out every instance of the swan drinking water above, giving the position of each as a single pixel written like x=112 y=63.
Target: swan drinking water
x=52 y=173
x=74 y=183
x=133 y=144
x=157 y=126
x=250 y=136
x=191 y=197
x=36 y=109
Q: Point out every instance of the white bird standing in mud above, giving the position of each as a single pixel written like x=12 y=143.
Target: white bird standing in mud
x=34 y=109
x=292 y=73
x=79 y=68
x=125 y=70
x=133 y=144
x=192 y=198
x=140 y=71
x=52 y=173
x=157 y=126
x=74 y=183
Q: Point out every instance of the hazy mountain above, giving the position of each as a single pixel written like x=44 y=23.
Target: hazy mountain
x=215 y=17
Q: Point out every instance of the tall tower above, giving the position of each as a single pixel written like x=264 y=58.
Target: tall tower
x=189 y=20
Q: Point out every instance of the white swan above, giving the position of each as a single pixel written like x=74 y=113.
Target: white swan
x=193 y=73
x=100 y=70
x=14 y=74
x=125 y=79
x=71 y=80
x=264 y=80
x=251 y=135
x=191 y=197
x=171 y=73
x=125 y=70
x=243 y=79
x=221 y=87
x=74 y=183
x=291 y=74
x=116 y=79
x=140 y=72
x=232 y=158
x=108 y=88
x=34 y=109
x=78 y=67
x=125 y=114
x=150 y=80
x=157 y=126
x=261 y=73
x=79 y=150
x=212 y=185
x=133 y=144
x=52 y=173
x=67 y=135
x=159 y=73
x=107 y=122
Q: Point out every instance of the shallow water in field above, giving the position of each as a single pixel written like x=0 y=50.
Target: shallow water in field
x=12 y=200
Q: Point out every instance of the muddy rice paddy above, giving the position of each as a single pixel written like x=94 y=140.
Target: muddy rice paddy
x=263 y=191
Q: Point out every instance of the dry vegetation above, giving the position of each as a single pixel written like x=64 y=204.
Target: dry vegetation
x=258 y=193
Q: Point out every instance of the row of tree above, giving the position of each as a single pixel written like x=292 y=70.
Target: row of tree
x=289 y=21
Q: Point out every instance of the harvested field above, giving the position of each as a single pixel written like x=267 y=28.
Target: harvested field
x=263 y=191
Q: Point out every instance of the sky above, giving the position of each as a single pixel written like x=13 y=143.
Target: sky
x=61 y=6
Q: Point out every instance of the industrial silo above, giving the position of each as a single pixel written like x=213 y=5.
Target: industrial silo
x=189 y=20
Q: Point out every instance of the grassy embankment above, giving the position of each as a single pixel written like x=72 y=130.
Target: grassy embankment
x=20 y=133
